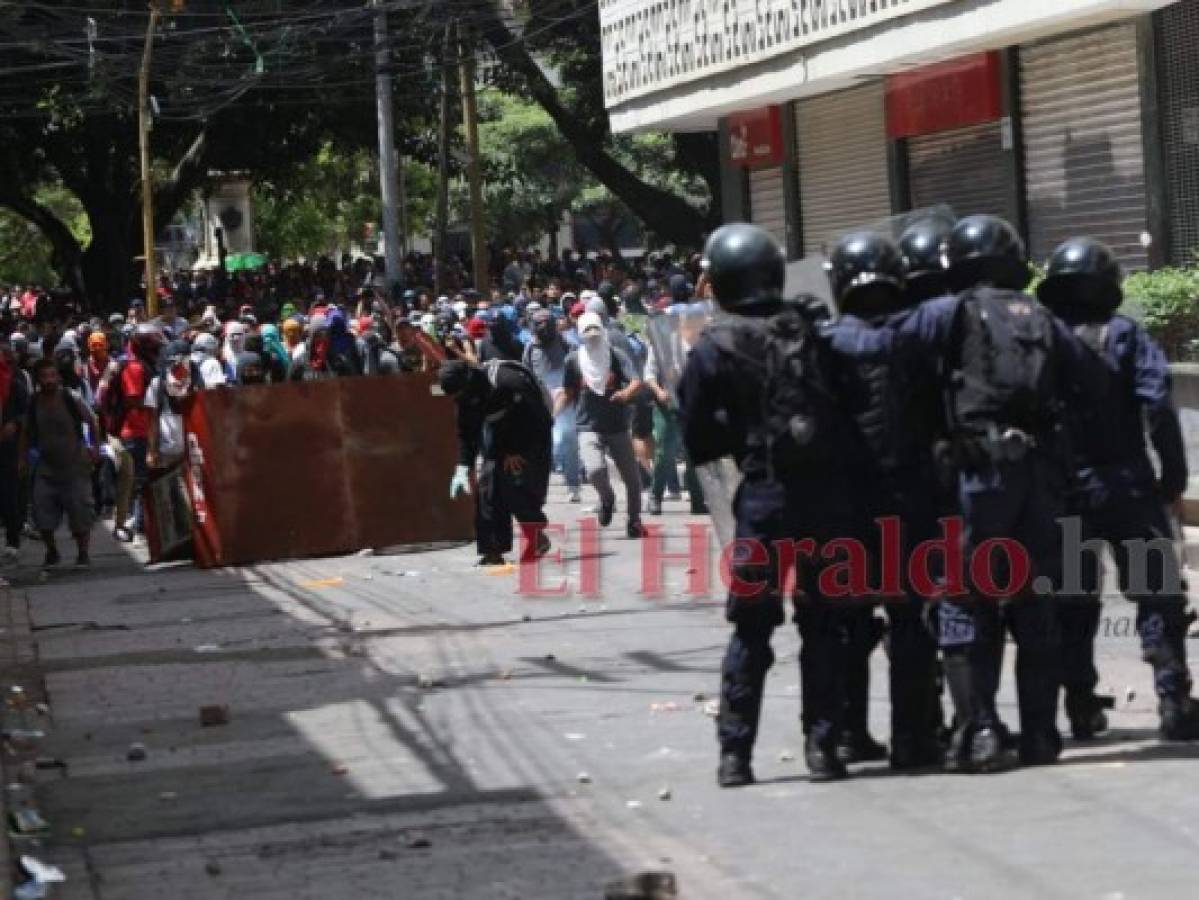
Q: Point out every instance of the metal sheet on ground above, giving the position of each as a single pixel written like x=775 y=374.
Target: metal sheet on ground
x=312 y=469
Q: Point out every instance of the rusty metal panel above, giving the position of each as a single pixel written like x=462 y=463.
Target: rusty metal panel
x=317 y=468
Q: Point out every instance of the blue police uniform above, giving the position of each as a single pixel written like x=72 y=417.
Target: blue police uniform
x=1118 y=498
x=722 y=414
x=897 y=419
x=1017 y=499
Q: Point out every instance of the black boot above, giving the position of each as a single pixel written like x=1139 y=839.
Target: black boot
x=823 y=761
x=1086 y=714
x=859 y=746
x=734 y=771
x=1040 y=748
x=988 y=752
x=909 y=753
x=1180 y=719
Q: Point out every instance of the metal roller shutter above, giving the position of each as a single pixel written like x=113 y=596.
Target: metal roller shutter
x=965 y=169
x=1178 y=78
x=842 y=151
x=1084 y=165
x=767 y=206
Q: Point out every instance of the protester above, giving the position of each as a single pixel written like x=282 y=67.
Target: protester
x=59 y=434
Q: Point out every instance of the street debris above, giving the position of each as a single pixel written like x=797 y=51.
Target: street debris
x=429 y=681
x=38 y=876
x=28 y=821
x=633 y=804
x=136 y=752
x=1129 y=695
x=700 y=697
x=575 y=736
x=418 y=842
x=712 y=709
x=323 y=582
x=786 y=756
x=340 y=769
x=505 y=675
x=668 y=706
x=214 y=714
x=212 y=867
x=643 y=886
x=49 y=762
x=664 y=793
x=208 y=648
x=583 y=778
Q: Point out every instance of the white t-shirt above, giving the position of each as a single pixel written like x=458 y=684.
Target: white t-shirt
x=171 y=443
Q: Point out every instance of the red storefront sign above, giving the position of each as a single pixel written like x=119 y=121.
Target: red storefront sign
x=756 y=138
x=953 y=94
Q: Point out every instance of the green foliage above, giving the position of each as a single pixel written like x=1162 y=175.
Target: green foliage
x=26 y=256
x=1167 y=303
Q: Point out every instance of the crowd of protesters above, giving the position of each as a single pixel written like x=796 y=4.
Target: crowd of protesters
x=92 y=405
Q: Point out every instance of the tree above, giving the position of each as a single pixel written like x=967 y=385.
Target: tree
x=567 y=33
x=251 y=95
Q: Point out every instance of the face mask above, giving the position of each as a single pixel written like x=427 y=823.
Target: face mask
x=545 y=331
x=593 y=340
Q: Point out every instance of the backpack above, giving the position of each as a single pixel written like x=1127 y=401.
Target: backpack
x=492 y=367
x=1003 y=375
x=803 y=427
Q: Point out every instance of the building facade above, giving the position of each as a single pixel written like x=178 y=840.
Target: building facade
x=1065 y=116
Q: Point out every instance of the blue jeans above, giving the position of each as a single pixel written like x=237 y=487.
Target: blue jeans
x=566 y=446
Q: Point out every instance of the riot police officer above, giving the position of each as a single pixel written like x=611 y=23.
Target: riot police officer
x=1006 y=366
x=897 y=416
x=1116 y=495
x=752 y=390
x=921 y=244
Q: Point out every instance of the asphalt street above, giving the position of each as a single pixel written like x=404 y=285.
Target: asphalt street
x=409 y=726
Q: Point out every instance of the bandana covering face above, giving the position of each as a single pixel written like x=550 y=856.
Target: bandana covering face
x=595 y=358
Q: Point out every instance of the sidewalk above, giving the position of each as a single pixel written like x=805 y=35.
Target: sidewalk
x=409 y=726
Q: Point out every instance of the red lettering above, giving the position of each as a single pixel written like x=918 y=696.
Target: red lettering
x=739 y=554
x=853 y=567
x=654 y=558
x=529 y=576
x=924 y=581
x=981 y=573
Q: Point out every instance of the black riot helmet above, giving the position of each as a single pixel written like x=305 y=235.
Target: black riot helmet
x=1082 y=272
x=745 y=266
x=986 y=249
x=867 y=274
x=922 y=246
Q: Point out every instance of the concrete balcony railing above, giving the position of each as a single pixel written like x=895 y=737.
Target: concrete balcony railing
x=652 y=45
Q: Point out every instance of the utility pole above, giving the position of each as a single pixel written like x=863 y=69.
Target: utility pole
x=443 y=168
x=470 y=119
x=144 y=124
x=387 y=148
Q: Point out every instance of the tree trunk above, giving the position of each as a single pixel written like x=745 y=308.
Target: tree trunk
x=663 y=212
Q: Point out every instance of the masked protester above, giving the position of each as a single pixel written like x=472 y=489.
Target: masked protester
x=600 y=382
x=235 y=343
x=251 y=369
x=58 y=434
x=276 y=371
x=280 y=357
x=293 y=337
x=204 y=355
x=345 y=356
x=503 y=414
x=98 y=359
x=177 y=382
x=312 y=362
